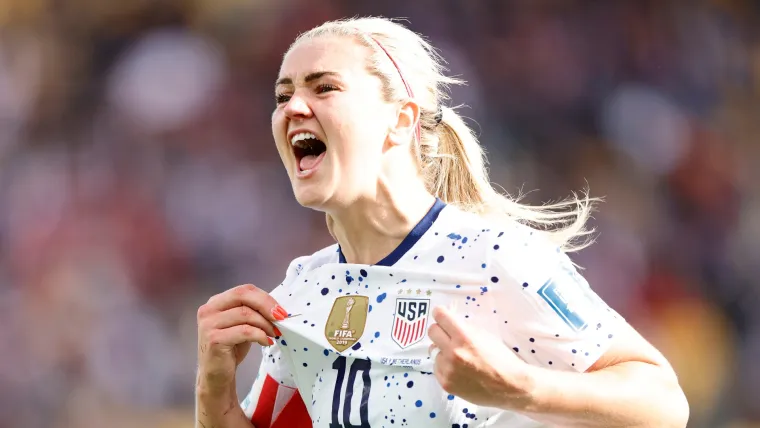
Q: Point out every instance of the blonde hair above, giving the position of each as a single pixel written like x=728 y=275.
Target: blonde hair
x=450 y=157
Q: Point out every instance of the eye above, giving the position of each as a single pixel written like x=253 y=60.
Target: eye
x=326 y=87
x=281 y=98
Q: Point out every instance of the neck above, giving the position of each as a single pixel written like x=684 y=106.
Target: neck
x=370 y=229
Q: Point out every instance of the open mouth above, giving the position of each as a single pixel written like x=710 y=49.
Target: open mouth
x=308 y=150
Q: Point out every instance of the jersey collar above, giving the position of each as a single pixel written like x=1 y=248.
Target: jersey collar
x=411 y=239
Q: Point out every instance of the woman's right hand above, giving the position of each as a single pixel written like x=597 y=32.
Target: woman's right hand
x=227 y=325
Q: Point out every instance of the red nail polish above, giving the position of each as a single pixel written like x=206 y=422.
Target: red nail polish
x=271 y=342
x=283 y=312
x=277 y=332
x=279 y=313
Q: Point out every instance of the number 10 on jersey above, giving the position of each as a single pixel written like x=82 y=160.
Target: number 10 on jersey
x=357 y=366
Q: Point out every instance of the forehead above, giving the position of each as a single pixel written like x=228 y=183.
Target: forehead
x=338 y=54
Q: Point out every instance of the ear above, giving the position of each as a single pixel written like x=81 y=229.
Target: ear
x=407 y=117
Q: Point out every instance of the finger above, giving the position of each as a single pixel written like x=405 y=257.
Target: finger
x=450 y=325
x=433 y=351
x=439 y=337
x=243 y=315
x=238 y=334
x=440 y=371
x=251 y=296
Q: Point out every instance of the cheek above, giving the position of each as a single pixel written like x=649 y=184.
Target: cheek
x=357 y=146
x=357 y=129
x=278 y=128
x=278 y=133
x=277 y=121
x=364 y=132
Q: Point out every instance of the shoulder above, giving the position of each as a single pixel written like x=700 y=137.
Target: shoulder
x=511 y=253
x=520 y=251
x=509 y=244
x=538 y=281
x=453 y=223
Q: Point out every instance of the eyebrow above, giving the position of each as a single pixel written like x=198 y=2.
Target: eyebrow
x=309 y=77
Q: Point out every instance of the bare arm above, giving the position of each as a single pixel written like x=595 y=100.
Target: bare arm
x=632 y=385
x=218 y=409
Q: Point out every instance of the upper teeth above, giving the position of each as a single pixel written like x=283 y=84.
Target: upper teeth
x=302 y=136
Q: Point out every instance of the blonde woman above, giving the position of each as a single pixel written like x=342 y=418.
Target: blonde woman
x=443 y=303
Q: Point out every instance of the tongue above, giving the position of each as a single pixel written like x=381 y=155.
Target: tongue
x=310 y=161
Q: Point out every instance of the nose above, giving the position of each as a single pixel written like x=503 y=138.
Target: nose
x=297 y=108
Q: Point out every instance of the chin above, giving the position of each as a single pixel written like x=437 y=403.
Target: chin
x=311 y=196
x=316 y=191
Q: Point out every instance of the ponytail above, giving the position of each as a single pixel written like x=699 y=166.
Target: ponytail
x=458 y=170
x=459 y=177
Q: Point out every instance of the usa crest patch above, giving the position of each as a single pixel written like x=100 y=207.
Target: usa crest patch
x=410 y=321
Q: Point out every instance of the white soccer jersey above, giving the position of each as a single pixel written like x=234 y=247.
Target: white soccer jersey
x=354 y=352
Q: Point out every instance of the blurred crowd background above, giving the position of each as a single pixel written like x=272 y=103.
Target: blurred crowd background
x=138 y=177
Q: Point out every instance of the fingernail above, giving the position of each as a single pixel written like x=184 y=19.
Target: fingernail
x=279 y=313
x=277 y=332
x=271 y=342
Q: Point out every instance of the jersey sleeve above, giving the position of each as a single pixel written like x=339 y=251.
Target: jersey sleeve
x=548 y=314
x=274 y=374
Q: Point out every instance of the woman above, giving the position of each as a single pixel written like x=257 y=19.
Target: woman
x=439 y=304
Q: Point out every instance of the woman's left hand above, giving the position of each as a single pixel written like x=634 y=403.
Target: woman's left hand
x=477 y=366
